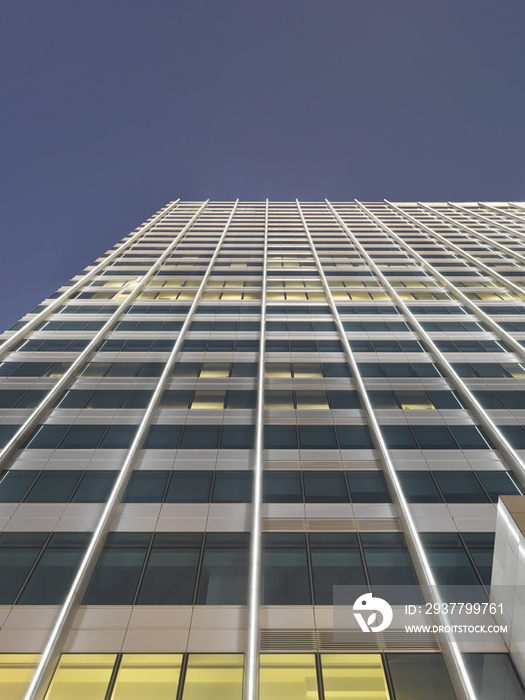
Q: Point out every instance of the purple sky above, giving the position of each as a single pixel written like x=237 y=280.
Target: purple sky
x=111 y=108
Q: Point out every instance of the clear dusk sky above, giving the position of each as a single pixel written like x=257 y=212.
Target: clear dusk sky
x=111 y=108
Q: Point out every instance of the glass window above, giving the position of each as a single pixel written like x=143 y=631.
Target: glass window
x=470 y=437
x=117 y=573
x=18 y=553
x=53 y=486
x=354 y=437
x=282 y=487
x=146 y=487
x=237 y=437
x=335 y=369
x=218 y=676
x=311 y=400
x=480 y=546
x=95 y=487
x=488 y=399
x=176 y=399
x=419 y=487
x=510 y=399
x=208 y=399
x=46 y=437
x=171 y=570
x=163 y=437
x=388 y=561
x=200 y=437
x=285 y=579
x=16 y=673
x=336 y=561
x=105 y=398
x=383 y=399
x=325 y=487
x=14 y=485
x=118 y=437
x=82 y=676
x=241 y=399
x=224 y=574
x=189 y=487
x=50 y=580
x=398 y=437
x=317 y=437
x=136 y=398
x=460 y=487
x=448 y=559
x=186 y=369
x=82 y=437
x=232 y=487
x=444 y=399
x=291 y=676
x=281 y=437
x=354 y=675
x=344 y=399
x=434 y=437
x=420 y=676
x=493 y=676
x=514 y=434
x=499 y=483
x=368 y=487
x=151 y=676
x=278 y=399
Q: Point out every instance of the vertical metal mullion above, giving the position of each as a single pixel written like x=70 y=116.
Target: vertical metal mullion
x=57 y=638
x=182 y=676
x=144 y=567
x=503 y=213
x=199 y=568
x=25 y=429
x=30 y=325
x=490 y=243
x=490 y=222
x=113 y=677
x=516 y=464
x=476 y=310
x=319 y=673
x=489 y=271
x=462 y=684
x=251 y=676
x=32 y=569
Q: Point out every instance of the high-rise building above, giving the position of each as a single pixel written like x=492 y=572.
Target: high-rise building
x=240 y=406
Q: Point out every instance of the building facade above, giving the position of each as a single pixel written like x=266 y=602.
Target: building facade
x=240 y=406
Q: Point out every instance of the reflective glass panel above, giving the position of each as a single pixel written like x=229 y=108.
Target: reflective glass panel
x=151 y=676
x=224 y=575
x=290 y=676
x=348 y=676
x=420 y=677
x=285 y=579
x=16 y=672
x=336 y=561
x=81 y=676
x=214 y=676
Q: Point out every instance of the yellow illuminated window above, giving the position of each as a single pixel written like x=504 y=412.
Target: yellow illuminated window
x=295 y=296
x=278 y=399
x=311 y=399
x=215 y=369
x=316 y=296
x=81 y=677
x=354 y=676
x=414 y=399
x=147 y=677
x=277 y=369
x=307 y=370
x=290 y=676
x=16 y=672
x=208 y=399
x=115 y=283
x=214 y=677
x=517 y=371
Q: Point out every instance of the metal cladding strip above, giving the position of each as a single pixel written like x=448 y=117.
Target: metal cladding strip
x=54 y=646
x=489 y=222
x=251 y=675
x=462 y=686
x=512 y=458
x=9 y=344
x=500 y=212
x=518 y=206
x=488 y=270
x=458 y=224
x=476 y=310
x=25 y=429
